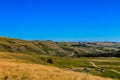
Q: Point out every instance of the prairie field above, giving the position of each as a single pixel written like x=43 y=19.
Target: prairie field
x=24 y=71
x=19 y=66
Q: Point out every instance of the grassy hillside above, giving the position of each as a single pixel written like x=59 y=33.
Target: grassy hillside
x=23 y=46
x=74 y=49
x=67 y=63
x=23 y=71
x=65 y=55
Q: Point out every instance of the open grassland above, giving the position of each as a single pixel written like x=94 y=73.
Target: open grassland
x=24 y=71
x=110 y=65
x=28 y=67
x=79 y=64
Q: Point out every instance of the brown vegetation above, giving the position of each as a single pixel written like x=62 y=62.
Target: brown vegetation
x=22 y=71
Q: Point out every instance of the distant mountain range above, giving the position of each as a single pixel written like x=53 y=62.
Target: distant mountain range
x=71 y=49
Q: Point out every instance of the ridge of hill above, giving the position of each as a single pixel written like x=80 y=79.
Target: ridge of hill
x=24 y=46
x=75 y=49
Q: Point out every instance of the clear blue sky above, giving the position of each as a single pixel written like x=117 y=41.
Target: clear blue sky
x=62 y=20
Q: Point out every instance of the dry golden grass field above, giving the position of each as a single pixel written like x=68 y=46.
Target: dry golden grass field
x=10 y=70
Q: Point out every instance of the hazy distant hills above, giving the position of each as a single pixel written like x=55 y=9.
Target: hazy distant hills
x=75 y=49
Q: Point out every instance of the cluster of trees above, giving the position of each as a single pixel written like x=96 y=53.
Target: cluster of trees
x=112 y=54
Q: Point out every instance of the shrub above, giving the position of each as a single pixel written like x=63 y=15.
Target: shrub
x=50 y=61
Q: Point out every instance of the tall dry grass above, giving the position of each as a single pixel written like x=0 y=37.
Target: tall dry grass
x=23 y=71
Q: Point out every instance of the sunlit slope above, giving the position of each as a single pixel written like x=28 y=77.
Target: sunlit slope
x=74 y=49
x=9 y=61
x=23 y=71
x=24 y=46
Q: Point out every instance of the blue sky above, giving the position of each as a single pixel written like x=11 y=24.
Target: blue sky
x=61 y=20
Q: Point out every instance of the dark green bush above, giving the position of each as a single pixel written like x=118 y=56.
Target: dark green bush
x=50 y=61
